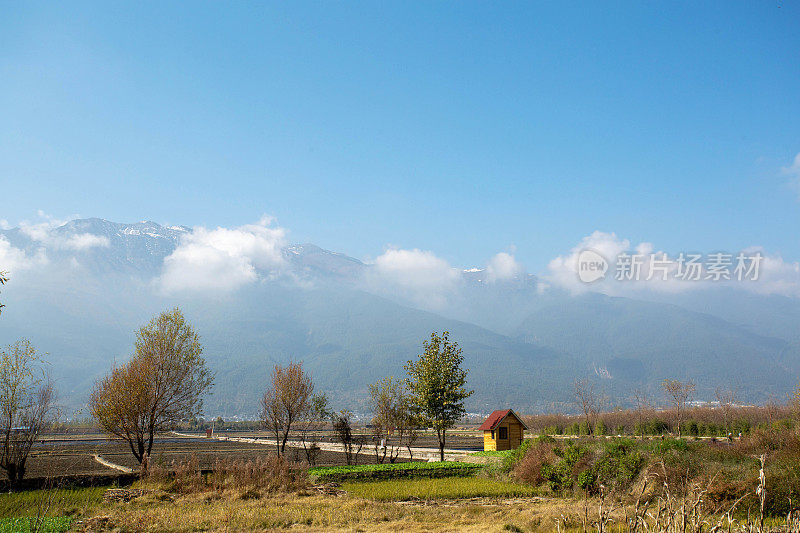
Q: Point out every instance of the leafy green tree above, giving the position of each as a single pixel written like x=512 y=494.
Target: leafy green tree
x=436 y=383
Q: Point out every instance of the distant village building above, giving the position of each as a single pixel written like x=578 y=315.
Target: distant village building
x=503 y=430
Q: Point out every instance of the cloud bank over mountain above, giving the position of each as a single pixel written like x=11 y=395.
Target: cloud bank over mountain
x=79 y=289
x=660 y=272
x=222 y=259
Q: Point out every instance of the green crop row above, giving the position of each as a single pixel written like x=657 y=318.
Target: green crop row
x=393 y=471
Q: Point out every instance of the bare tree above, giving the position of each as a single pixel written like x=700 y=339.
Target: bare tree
x=641 y=403
x=794 y=405
x=161 y=385
x=587 y=401
x=393 y=418
x=3 y=281
x=343 y=429
x=287 y=401
x=679 y=393
x=27 y=406
x=772 y=408
x=317 y=419
x=726 y=397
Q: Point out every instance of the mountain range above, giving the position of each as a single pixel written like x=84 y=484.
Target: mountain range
x=79 y=290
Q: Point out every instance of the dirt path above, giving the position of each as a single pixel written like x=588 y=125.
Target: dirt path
x=109 y=464
x=427 y=454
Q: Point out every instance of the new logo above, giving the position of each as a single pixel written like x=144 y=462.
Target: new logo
x=591 y=266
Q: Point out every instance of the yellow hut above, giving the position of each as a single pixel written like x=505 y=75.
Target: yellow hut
x=503 y=430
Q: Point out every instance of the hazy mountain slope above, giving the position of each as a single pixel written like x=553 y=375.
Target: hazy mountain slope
x=346 y=338
x=349 y=339
x=772 y=315
x=633 y=343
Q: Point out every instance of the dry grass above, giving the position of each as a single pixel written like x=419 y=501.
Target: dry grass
x=193 y=512
x=253 y=477
x=308 y=511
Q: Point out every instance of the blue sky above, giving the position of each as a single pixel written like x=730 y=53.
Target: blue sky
x=462 y=128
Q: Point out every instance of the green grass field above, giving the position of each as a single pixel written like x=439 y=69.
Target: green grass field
x=392 y=470
x=493 y=453
x=57 y=507
x=56 y=502
x=439 y=488
x=44 y=525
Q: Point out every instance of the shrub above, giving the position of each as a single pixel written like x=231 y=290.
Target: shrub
x=667 y=446
x=657 y=427
x=679 y=466
x=618 y=465
x=741 y=426
x=690 y=428
x=562 y=474
x=516 y=455
x=767 y=440
x=531 y=466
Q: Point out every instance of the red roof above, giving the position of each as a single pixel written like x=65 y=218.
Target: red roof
x=498 y=416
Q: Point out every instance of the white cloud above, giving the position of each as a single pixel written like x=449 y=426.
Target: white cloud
x=82 y=241
x=793 y=171
x=563 y=270
x=419 y=275
x=503 y=267
x=13 y=259
x=224 y=259
x=42 y=232
x=775 y=276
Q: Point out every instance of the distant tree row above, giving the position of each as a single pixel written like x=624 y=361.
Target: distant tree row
x=675 y=414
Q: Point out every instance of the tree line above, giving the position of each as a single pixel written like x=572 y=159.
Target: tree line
x=673 y=412
x=166 y=378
